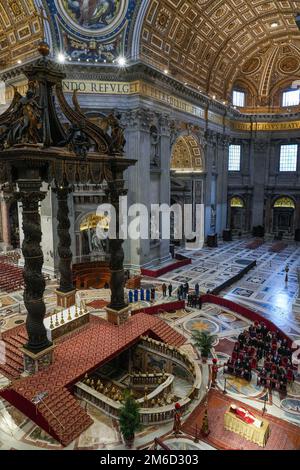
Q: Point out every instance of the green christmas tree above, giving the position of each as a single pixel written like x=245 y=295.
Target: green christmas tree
x=129 y=416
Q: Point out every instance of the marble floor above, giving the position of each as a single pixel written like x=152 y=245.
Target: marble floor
x=262 y=289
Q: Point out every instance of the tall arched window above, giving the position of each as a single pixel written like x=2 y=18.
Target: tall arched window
x=238 y=98
x=291 y=98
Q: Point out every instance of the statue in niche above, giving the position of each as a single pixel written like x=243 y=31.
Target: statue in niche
x=97 y=243
x=154 y=143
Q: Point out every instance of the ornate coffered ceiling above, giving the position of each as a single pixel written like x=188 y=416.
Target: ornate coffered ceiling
x=20 y=31
x=210 y=43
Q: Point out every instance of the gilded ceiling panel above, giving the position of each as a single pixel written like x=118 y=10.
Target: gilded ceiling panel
x=20 y=31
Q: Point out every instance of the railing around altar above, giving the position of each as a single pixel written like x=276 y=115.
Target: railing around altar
x=159 y=414
x=155 y=414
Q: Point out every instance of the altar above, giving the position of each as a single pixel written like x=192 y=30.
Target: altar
x=65 y=321
x=258 y=435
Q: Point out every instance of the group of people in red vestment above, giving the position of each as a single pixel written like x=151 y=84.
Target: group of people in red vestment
x=258 y=348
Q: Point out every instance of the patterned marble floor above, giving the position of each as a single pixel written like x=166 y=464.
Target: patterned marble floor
x=262 y=289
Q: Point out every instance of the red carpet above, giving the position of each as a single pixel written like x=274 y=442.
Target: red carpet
x=225 y=346
x=97 y=304
x=277 y=247
x=253 y=244
x=284 y=436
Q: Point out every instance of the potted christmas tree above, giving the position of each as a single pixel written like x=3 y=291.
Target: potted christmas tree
x=129 y=418
x=204 y=342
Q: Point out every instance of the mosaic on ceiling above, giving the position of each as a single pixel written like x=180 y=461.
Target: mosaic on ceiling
x=83 y=29
x=93 y=29
x=211 y=43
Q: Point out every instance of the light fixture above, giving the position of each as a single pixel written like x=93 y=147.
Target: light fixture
x=214 y=97
x=19 y=61
x=61 y=57
x=166 y=71
x=274 y=25
x=121 y=61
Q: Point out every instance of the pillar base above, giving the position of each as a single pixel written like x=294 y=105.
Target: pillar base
x=117 y=317
x=34 y=363
x=296 y=307
x=65 y=299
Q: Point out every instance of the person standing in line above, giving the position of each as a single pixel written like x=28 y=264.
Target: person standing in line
x=170 y=288
x=164 y=289
x=287 y=273
x=197 y=289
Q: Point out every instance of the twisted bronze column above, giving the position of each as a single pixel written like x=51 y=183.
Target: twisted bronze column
x=117 y=280
x=30 y=197
x=63 y=231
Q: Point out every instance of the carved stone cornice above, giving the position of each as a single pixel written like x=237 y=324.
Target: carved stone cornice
x=138 y=119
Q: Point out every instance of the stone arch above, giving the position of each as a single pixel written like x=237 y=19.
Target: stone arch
x=246 y=86
x=283 y=215
x=277 y=90
x=237 y=213
x=237 y=201
x=187 y=154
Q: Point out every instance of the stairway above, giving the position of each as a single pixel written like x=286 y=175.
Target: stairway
x=13 y=366
x=64 y=415
x=169 y=335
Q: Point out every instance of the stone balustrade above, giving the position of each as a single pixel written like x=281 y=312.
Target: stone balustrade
x=147 y=379
x=155 y=415
x=162 y=389
x=178 y=356
x=170 y=351
x=65 y=321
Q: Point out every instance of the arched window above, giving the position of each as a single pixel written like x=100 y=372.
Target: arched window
x=284 y=202
x=237 y=201
x=291 y=97
x=238 y=98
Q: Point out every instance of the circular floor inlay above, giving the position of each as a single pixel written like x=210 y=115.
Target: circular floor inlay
x=201 y=324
